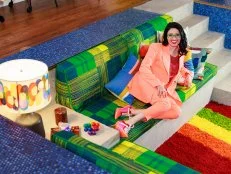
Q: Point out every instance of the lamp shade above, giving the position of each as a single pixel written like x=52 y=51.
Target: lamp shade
x=24 y=86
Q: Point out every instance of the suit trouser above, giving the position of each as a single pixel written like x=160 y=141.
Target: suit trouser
x=164 y=108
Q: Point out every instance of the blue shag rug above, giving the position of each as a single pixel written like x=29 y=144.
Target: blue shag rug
x=23 y=151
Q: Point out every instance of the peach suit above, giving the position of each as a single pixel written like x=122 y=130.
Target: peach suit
x=154 y=71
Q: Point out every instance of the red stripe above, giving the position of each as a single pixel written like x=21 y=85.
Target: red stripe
x=220 y=147
x=194 y=155
x=220 y=108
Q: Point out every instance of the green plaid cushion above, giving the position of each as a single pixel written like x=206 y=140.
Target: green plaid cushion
x=103 y=110
x=102 y=157
x=79 y=78
x=133 y=38
x=146 y=157
x=160 y=22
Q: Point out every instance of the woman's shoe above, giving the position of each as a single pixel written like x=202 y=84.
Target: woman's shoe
x=123 y=128
x=123 y=111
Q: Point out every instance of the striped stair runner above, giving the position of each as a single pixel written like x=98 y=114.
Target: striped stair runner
x=204 y=143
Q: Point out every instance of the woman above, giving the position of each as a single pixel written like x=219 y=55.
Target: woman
x=156 y=80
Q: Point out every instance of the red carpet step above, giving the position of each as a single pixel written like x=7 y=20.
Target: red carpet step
x=204 y=143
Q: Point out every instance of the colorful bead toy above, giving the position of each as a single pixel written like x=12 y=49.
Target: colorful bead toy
x=91 y=128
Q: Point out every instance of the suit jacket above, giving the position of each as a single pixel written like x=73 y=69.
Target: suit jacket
x=154 y=71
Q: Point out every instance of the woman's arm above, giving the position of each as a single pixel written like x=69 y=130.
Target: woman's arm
x=145 y=68
x=188 y=77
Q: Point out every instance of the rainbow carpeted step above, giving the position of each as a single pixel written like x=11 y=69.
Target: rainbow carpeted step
x=204 y=143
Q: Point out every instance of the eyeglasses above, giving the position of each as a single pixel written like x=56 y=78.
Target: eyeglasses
x=171 y=36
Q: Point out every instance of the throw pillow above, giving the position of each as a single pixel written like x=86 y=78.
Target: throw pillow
x=143 y=50
x=118 y=85
x=144 y=45
x=199 y=57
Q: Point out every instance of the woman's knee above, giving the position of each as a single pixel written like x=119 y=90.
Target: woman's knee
x=176 y=112
x=166 y=105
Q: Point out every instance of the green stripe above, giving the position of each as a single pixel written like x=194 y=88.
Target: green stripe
x=83 y=62
x=149 y=158
x=215 y=118
x=181 y=94
x=156 y=161
x=158 y=23
x=101 y=156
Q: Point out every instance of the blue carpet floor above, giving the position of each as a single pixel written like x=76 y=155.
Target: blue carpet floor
x=23 y=151
x=219 y=13
x=65 y=46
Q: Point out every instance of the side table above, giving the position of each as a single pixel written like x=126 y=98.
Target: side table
x=106 y=136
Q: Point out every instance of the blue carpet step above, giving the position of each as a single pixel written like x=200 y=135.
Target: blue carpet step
x=219 y=13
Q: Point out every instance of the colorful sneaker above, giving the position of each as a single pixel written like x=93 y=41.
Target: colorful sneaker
x=123 y=128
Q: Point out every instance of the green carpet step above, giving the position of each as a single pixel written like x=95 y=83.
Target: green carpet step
x=124 y=158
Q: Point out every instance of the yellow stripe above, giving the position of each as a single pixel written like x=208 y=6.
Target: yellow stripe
x=211 y=129
x=101 y=50
x=124 y=92
x=167 y=17
x=130 y=150
x=119 y=102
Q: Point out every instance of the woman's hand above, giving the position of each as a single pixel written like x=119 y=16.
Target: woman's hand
x=187 y=82
x=162 y=92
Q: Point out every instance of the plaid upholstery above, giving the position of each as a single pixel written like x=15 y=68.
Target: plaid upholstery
x=188 y=61
x=209 y=72
x=146 y=157
x=102 y=157
x=103 y=111
x=81 y=79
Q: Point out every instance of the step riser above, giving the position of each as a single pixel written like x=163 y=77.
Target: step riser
x=223 y=72
x=198 y=29
x=221 y=96
x=163 y=7
x=182 y=12
x=216 y=44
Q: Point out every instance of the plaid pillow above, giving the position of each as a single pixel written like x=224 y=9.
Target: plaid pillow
x=118 y=85
x=199 y=57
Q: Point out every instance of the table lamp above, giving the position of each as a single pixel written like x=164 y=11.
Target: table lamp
x=24 y=89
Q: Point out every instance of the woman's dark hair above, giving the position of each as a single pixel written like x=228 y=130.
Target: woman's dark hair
x=183 y=42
